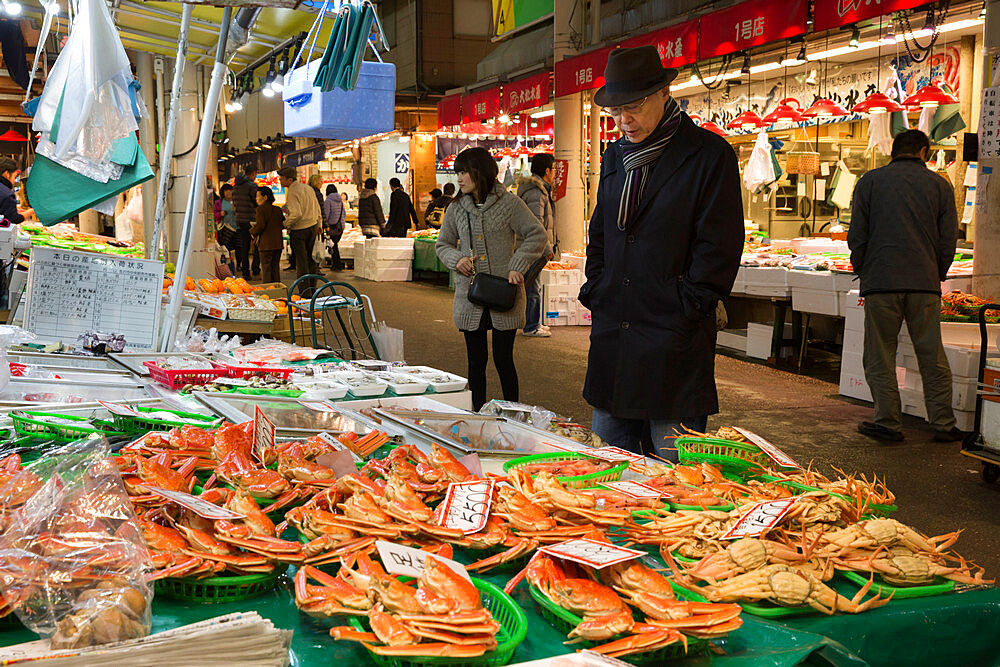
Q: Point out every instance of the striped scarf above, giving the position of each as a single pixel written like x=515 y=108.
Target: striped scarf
x=639 y=160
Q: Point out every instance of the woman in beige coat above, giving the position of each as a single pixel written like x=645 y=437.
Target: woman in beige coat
x=488 y=230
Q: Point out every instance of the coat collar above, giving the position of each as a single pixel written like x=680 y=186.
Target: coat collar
x=469 y=204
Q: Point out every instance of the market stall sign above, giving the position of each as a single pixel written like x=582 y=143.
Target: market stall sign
x=199 y=506
x=775 y=454
x=337 y=445
x=677 y=44
x=119 y=409
x=615 y=454
x=481 y=105
x=585 y=72
x=410 y=562
x=305 y=156
x=634 y=489
x=449 y=111
x=591 y=552
x=526 y=93
x=751 y=24
x=467 y=505
x=835 y=13
x=560 y=171
x=760 y=518
x=263 y=434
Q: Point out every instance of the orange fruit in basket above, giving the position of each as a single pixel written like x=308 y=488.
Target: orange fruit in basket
x=189 y=283
x=232 y=286
x=207 y=285
x=296 y=297
x=244 y=285
x=220 y=287
x=167 y=282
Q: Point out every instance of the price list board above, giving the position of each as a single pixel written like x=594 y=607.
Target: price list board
x=71 y=292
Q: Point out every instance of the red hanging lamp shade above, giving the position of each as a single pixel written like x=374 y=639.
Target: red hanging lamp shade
x=824 y=108
x=12 y=135
x=877 y=103
x=745 y=120
x=713 y=127
x=930 y=95
x=783 y=113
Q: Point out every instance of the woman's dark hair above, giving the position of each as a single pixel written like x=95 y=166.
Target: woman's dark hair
x=331 y=189
x=371 y=184
x=449 y=189
x=541 y=163
x=267 y=192
x=481 y=167
x=226 y=187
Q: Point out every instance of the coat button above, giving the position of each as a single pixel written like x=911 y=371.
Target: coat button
x=626 y=282
x=624 y=325
x=482 y=257
x=630 y=238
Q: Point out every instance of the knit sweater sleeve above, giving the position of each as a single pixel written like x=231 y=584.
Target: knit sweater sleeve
x=531 y=234
x=448 y=239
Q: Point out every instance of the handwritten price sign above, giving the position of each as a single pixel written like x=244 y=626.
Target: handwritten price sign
x=467 y=505
x=761 y=518
x=318 y=406
x=775 y=454
x=614 y=454
x=592 y=553
x=337 y=445
x=263 y=434
x=410 y=562
x=119 y=409
x=202 y=508
x=634 y=489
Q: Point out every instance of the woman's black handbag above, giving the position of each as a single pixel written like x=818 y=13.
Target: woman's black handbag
x=487 y=290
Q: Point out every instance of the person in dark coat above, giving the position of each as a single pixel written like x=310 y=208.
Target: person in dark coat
x=334 y=220
x=245 y=208
x=665 y=244
x=267 y=231
x=8 y=200
x=370 y=216
x=401 y=211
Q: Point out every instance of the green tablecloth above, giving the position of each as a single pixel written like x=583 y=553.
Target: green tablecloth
x=425 y=258
x=956 y=629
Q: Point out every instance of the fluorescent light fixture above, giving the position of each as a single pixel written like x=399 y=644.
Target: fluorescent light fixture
x=855 y=37
x=230 y=108
x=279 y=83
x=11 y=8
x=404 y=138
x=544 y=114
x=336 y=155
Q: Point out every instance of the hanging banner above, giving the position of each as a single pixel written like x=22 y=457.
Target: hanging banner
x=304 y=156
x=560 y=170
x=751 y=24
x=677 y=44
x=510 y=16
x=835 y=13
x=450 y=111
x=585 y=72
x=526 y=93
x=481 y=105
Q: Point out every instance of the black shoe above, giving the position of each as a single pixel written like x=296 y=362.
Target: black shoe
x=873 y=430
x=954 y=435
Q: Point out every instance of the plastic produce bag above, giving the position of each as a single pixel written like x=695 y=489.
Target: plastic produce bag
x=10 y=335
x=73 y=562
x=760 y=168
x=388 y=341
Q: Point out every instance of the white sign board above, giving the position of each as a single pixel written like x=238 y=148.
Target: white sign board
x=467 y=505
x=71 y=292
x=775 y=454
x=591 y=552
x=201 y=507
x=263 y=434
x=760 y=518
x=337 y=445
x=634 y=489
x=409 y=562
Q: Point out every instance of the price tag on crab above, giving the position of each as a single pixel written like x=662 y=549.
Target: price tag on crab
x=318 y=406
x=760 y=518
x=231 y=382
x=592 y=553
x=119 y=409
x=409 y=562
x=773 y=453
x=202 y=508
x=635 y=489
x=614 y=454
x=263 y=434
x=467 y=505
x=337 y=445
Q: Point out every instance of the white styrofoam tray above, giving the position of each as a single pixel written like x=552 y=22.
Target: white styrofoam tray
x=361 y=384
x=403 y=384
x=440 y=381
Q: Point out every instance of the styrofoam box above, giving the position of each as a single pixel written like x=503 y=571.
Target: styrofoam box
x=382 y=264
x=853 y=363
x=556 y=319
x=846 y=282
x=814 y=280
x=577 y=262
x=389 y=248
x=585 y=318
x=734 y=339
x=854 y=318
x=964 y=284
x=853 y=385
x=821 y=302
x=963 y=390
x=766 y=276
x=768 y=290
x=393 y=275
x=561 y=277
x=913 y=403
x=965 y=420
x=340 y=114
x=759 y=340
x=739 y=285
x=560 y=291
x=963 y=359
x=854 y=341
x=966 y=333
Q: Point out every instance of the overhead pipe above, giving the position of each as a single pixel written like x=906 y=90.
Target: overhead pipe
x=239 y=30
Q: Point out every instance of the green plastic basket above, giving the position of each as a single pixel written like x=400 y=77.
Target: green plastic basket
x=873 y=508
x=564 y=621
x=513 y=630
x=10 y=621
x=733 y=457
x=254 y=391
x=214 y=590
x=939 y=587
x=26 y=424
x=143 y=424
x=612 y=474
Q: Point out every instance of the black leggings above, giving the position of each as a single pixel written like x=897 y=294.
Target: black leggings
x=503 y=359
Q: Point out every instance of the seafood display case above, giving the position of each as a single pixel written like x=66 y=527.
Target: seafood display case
x=33 y=391
x=64 y=361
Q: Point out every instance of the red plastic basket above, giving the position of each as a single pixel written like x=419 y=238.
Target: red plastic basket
x=244 y=372
x=177 y=378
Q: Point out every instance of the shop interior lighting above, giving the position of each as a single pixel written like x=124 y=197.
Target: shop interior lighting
x=336 y=155
x=929 y=21
x=783 y=113
x=713 y=127
x=982 y=13
x=800 y=56
x=11 y=8
x=544 y=114
x=266 y=144
x=890 y=32
x=404 y=138
x=504 y=118
x=877 y=103
x=855 y=37
x=745 y=121
x=824 y=108
x=928 y=97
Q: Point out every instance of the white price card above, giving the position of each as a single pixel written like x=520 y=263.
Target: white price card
x=263 y=434
x=409 y=562
x=149 y=438
x=760 y=518
x=467 y=505
x=614 y=454
x=318 y=406
x=775 y=454
x=119 y=409
x=201 y=507
x=591 y=552
x=232 y=382
x=331 y=440
x=634 y=489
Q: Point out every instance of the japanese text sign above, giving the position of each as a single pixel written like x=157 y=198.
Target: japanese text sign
x=409 y=562
x=591 y=552
x=634 y=489
x=481 y=105
x=584 y=72
x=119 y=409
x=467 y=505
x=775 y=454
x=201 y=507
x=263 y=434
x=750 y=24
x=834 y=13
x=676 y=44
x=760 y=518
x=615 y=454
x=449 y=111
x=337 y=445
x=560 y=173
x=526 y=93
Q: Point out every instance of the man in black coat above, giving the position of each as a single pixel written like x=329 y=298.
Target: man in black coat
x=245 y=209
x=401 y=211
x=665 y=245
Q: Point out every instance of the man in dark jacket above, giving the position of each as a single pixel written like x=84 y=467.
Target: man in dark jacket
x=536 y=192
x=245 y=208
x=8 y=200
x=902 y=240
x=665 y=245
x=370 y=216
x=401 y=211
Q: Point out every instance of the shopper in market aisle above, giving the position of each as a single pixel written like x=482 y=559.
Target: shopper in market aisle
x=401 y=211
x=665 y=244
x=488 y=230
x=434 y=212
x=370 y=216
x=8 y=200
x=245 y=207
x=536 y=192
x=902 y=240
x=228 y=229
x=303 y=218
x=334 y=218
x=316 y=183
x=267 y=233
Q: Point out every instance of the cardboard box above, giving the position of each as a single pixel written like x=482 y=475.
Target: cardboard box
x=733 y=339
x=854 y=386
x=403 y=274
x=782 y=291
x=759 y=338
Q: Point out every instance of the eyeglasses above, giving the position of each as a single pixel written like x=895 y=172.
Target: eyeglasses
x=633 y=108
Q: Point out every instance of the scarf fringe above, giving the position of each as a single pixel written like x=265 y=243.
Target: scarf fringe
x=639 y=159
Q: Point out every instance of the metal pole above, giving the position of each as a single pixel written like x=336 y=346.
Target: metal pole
x=196 y=193
x=167 y=149
x=594 y=172
x=986 y=233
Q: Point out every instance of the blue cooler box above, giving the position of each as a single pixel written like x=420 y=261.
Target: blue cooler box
x=340 y=114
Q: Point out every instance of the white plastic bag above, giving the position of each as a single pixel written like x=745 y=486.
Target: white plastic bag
x=319 y=251
x=760 y=169
x=10 y=335
x=389 y=342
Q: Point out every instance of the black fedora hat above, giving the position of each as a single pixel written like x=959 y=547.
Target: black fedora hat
x=632 y=74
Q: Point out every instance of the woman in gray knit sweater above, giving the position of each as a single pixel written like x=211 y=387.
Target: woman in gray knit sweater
x=488 y=230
